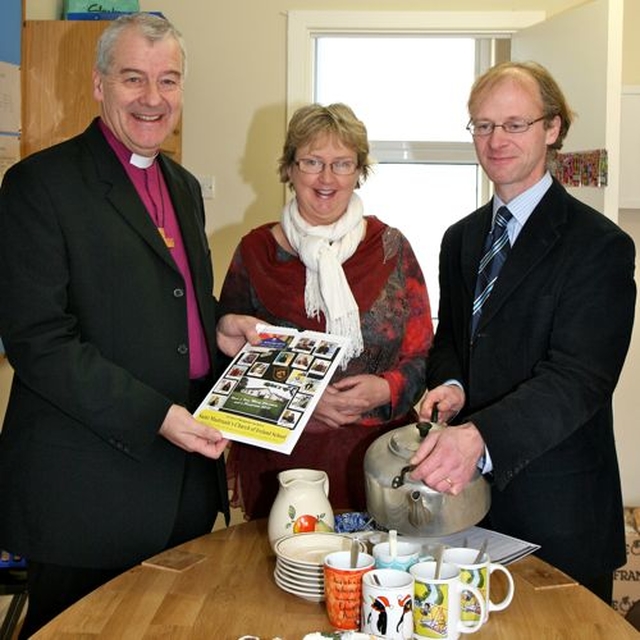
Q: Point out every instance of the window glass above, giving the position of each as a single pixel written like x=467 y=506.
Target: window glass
x=398 y=85
x=422 y=200
x=414 y=108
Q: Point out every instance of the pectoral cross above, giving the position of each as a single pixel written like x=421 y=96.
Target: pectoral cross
x=170 y=242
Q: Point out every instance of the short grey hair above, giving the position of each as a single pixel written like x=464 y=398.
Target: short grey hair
x=152 y=27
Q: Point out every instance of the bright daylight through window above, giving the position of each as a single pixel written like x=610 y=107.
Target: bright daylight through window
x=414 y=108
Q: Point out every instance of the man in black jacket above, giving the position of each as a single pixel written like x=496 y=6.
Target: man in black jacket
x=109 y=321
x=530 y=357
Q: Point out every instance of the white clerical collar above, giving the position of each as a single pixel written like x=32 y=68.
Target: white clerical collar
x=142 y=162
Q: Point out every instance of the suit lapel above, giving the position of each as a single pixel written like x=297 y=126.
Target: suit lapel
x=121 y=193
x=126 y=201
x=533 y=244
x=193 y=238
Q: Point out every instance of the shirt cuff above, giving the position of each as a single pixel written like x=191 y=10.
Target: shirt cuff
x=485 y=464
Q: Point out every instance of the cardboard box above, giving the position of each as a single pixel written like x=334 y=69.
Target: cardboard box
x=626 y=581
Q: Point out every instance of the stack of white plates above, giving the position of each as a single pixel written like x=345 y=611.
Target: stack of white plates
x=299 y=562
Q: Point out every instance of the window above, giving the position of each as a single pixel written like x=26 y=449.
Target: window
x=426 y=176
x=407 y=76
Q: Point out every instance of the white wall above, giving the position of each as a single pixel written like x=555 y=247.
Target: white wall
x=627 y=396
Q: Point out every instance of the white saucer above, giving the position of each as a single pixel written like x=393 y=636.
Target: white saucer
x=310 y=549
x=303 y=571
x=313 y=595
x=306 y=587
x=292 y=574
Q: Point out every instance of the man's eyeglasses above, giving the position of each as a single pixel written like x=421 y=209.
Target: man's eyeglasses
x=339 y=167
x=486 y=127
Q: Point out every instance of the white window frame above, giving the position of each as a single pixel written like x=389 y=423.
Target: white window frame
x=303 y=27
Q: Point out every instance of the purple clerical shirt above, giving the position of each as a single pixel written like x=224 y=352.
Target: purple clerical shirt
x=152 y=189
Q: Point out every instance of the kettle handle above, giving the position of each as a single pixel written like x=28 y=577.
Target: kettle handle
x=423 y=428
x=398 y=481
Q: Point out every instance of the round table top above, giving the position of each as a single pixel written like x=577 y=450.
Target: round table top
x=228 y=591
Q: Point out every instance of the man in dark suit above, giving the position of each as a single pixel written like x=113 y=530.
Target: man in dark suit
x=109 y=321
x=526 y=362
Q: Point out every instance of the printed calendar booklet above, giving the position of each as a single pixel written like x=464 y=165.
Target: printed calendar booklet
x=267 y=394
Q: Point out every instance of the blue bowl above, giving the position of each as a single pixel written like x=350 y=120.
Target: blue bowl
x=353 y=521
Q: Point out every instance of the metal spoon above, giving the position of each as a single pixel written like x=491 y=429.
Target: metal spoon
x=393 y=544
x=439 y=554
x=355 y=551
x=481 y=551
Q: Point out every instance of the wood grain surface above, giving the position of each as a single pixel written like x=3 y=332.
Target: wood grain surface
x=231 y=593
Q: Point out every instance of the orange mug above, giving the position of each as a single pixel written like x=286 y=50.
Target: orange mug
x=343 y=588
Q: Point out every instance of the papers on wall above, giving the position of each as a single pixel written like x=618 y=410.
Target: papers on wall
x=9 y=98
x=9 y=152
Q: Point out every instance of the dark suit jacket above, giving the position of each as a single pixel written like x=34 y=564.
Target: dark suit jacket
x=94 y=322
x=540 y=374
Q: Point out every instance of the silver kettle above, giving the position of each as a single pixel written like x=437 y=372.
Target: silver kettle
x=396 y=501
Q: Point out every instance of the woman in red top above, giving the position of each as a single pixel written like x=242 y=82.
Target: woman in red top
x=326 y=266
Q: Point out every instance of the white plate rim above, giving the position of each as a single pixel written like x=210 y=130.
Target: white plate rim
x=316 y=588
x=314 y=597
x=315 y=582
x=304 y=570
x=312 y=542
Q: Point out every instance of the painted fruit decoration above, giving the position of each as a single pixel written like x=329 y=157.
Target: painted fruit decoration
x=306 y=522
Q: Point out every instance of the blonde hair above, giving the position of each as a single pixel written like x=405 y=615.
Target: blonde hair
x=313 y=121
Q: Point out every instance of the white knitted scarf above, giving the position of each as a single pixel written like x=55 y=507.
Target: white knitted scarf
x=322 y=249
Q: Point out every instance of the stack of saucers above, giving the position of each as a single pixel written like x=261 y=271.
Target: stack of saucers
x=299 y=562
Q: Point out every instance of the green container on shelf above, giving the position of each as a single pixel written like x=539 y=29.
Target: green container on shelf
x=106 y=6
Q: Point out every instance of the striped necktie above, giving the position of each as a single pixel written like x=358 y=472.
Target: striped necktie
x=496 y=250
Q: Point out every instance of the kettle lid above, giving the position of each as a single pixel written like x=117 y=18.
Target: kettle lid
x=404 y=442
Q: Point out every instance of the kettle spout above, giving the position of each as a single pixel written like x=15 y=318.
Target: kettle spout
x=419 y=515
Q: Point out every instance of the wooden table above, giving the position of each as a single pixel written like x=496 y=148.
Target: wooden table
x=231 y=592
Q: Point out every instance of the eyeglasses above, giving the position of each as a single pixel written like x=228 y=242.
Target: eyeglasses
x=339 y=167
x=486 y=127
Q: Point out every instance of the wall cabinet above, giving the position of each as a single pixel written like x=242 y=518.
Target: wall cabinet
x=630 y=148
x=57 y=93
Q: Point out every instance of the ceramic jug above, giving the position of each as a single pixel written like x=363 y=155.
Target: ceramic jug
x=302 y=504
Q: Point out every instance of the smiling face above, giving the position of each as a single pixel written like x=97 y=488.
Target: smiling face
x=323 y=197
x=141 y=95
x=513 y=161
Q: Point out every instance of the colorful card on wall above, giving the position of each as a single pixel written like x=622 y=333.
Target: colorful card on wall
x=267 y=394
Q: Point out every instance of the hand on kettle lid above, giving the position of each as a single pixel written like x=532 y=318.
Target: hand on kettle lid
x=425 y=426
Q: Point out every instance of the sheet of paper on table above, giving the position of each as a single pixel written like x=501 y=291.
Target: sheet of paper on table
x=500 y=547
